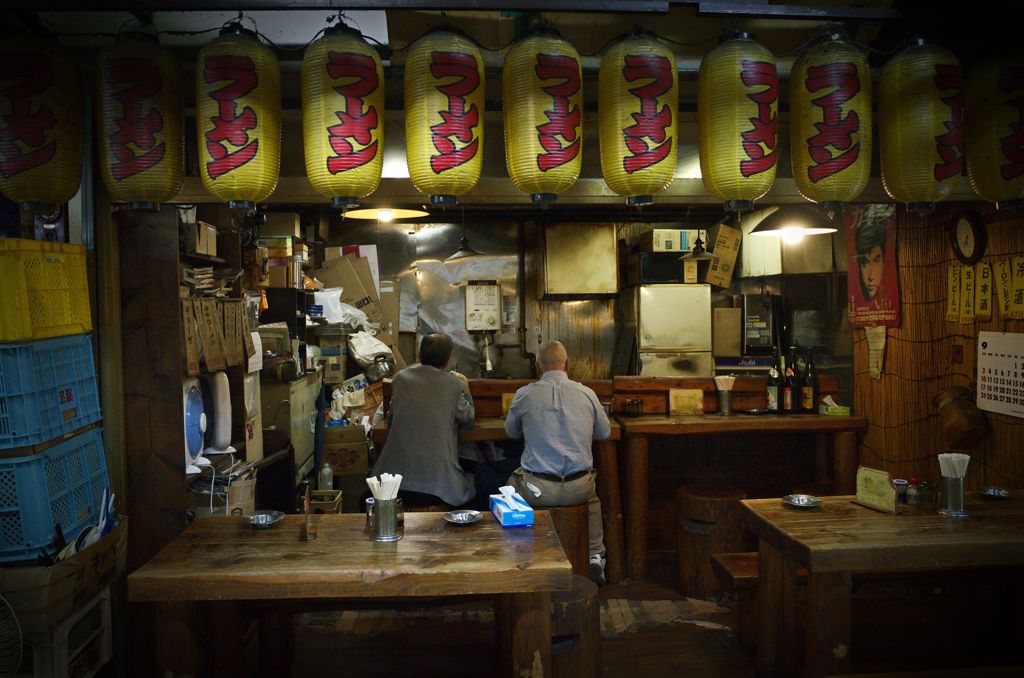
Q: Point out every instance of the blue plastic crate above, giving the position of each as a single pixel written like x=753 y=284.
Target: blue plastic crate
x=47 y=389
x=62 y=485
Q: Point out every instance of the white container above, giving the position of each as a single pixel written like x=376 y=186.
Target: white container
x=79 y=646
x=326 y=477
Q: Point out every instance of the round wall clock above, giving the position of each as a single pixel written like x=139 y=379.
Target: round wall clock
x=968 y=237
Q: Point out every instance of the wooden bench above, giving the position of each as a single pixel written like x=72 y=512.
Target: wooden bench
x=738 y=573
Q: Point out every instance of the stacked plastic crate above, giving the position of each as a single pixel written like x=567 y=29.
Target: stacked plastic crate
x=53 y=471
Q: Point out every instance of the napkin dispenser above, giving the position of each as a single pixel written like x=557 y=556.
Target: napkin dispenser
x=510 y=509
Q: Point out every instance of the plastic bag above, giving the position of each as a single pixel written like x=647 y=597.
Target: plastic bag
x=337 y=311
x=364 y=347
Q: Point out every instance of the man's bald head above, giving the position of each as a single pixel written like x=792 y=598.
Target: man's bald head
x=552 y=356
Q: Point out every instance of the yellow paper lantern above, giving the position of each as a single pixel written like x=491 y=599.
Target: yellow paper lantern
x=921 y=138
x=737 y=121
x=139 y=122
x=343 y=116
x=638 y=106
x=444 y=115
x=40 y=124
x=994 y=126
x=543 y=109
x=238 y=118
x=830 y=123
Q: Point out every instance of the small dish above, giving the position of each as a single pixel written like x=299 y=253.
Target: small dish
x=264 y=520
x=802 y=501
x=753 y=411
x=996 y=492
x=463 y=516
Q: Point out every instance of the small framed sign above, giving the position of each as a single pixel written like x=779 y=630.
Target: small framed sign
x=876 y=490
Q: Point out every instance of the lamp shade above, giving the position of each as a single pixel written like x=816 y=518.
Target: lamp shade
x=994 y=126
x=737 y=121
x=343 y=116
x=638 y=104
x=444 y=115
x=139 y=122
x=921 y=139
x=793 y=222
x=238 y=118
x=830 y=122
x=40 y=124
x=543 y=107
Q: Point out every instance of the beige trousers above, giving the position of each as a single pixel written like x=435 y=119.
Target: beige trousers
x=583 y=490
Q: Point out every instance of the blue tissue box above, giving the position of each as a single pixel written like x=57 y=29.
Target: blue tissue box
x=509 y=517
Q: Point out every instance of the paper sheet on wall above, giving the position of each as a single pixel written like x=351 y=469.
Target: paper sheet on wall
x=953 y=294
x=1004 y=286
x=983 y=291
x=966 y=294
x=1001 y=373
x=876 y=349
x=1017 y=295
x=256 y=358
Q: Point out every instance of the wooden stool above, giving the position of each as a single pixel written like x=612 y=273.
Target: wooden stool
x=576 y=631
x=571 y=524
x=708 y=523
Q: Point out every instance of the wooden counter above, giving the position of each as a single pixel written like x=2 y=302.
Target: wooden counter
x=843 y=538
x=220 y=560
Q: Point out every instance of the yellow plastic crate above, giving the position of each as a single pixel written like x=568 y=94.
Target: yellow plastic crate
x=45 y=290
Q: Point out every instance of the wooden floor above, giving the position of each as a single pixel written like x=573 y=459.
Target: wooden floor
x=646 y=626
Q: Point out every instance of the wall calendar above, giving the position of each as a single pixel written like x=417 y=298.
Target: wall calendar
x=1001 y=373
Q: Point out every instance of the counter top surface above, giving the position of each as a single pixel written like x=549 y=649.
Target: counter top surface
x=703 y=424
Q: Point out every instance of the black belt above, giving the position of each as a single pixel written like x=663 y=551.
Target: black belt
x=558 y=479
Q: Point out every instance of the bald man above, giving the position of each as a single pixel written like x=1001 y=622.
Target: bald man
x=559 y=419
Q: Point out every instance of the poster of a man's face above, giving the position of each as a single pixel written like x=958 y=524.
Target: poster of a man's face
x=871 y=248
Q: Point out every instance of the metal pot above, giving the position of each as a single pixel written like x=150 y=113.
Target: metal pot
x=382 y=366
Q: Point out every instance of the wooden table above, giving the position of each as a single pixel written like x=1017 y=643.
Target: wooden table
x=606 y=461
x=842 y=539
x=219 y=561
x=636 y=431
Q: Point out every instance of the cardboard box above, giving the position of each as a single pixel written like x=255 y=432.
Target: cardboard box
x=206 y=239
x=325 y=501
x=368 y=252
x=42 y=597
x=282 y=224
x=279 y=276
x=834 y=410
x=348 y=459
x=334 y=350
x=390 y=305
x=511 y=517
x=726 y=329
x=668 y=240
x=727 y=247
x=341 y=435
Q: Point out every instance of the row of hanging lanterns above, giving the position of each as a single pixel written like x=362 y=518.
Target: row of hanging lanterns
x=923 y=125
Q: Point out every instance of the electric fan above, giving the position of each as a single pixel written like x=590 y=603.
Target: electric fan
x=10 y=640
x=195 y=426
x=219 y=434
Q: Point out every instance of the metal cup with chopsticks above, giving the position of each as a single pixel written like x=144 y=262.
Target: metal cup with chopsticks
x=725 y=385
x=384 y=525
x=954 y=467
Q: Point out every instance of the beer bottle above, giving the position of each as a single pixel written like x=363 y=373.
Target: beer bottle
x=809 y=386
x=791 y=385
x=774 y=383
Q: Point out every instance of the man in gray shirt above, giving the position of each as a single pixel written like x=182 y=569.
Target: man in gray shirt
x=428 y=404
x=559 y=419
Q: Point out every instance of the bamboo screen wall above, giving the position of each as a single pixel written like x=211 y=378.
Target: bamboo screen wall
x=904 y=430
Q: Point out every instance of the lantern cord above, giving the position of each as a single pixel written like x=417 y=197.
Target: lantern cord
x=689 y=44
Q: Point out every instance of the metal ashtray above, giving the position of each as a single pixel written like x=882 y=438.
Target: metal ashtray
x=264 y=520
x=463 y=517
x=802 y=501
x=996 y=492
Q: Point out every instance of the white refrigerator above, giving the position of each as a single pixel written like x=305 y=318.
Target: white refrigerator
x=672 y=329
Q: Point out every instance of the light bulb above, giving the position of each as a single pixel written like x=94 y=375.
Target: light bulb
x=385 y=216
x=792 y=236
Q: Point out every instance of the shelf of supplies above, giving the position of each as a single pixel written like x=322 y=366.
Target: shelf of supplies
x=201 y=259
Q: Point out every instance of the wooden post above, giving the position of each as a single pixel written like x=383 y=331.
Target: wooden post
x=531 y=634
x=277 y=642
x=181 y=633
x=225 y=654
x=821 y=474
x=606 y=461
x=828 y=623
x=846 y=460
x=635 y=479
x=571 y=524
x=576 y=621
x=776 y=613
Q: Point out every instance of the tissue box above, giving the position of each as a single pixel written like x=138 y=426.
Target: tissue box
x=834 y=410
x=511 y=517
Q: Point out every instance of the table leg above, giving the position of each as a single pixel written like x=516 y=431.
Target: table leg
x=828 y=623
x=635 y=498
x=177 y=644
x=531 y=634
x=777 y=650
x=845 y=451
x=606 y=461
x=277 y=642
x=224 y=630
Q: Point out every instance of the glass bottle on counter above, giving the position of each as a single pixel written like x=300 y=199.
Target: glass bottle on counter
x=790 y=386
x=914 y=492
x=774 y=384
x=809 y=386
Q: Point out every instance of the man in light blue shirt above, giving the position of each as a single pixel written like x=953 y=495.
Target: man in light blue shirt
x=559 y=419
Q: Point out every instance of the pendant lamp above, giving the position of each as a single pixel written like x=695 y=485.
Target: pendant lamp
x=792 y=223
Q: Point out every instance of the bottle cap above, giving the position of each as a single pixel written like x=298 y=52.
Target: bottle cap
x=915 y=481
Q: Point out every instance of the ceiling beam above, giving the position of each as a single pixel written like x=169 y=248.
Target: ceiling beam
x=762 y=8
x=588 y=6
